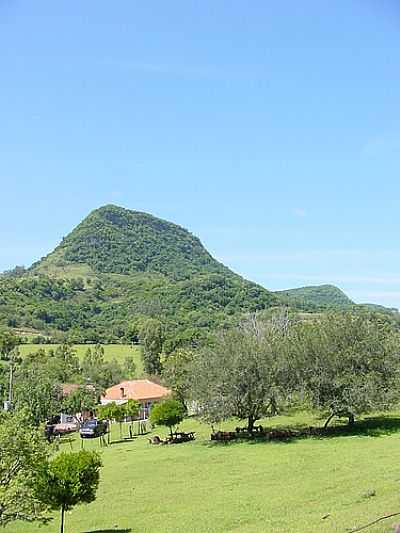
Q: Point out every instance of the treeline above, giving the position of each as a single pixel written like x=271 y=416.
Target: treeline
x=102 y=308
x=343 y=364
x=34 y=384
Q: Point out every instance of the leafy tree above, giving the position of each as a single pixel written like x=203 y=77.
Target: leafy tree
x=129 y=367
x=66 y=361
x=23 y=454
x=69 y=479
x=177 y=373
x=113 y=411
x=152 y=338
x=37 y=393
x=241 y=373
x=9 y=353
x=131 y=410
x=349 y=365
x=168 y=413
x=80 y=399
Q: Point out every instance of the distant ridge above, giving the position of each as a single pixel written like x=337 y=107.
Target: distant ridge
x=322 y=296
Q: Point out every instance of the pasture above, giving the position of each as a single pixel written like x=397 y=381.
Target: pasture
x=306 y=485
x=111 y=351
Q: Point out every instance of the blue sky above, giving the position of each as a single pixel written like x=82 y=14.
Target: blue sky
x=269 y=129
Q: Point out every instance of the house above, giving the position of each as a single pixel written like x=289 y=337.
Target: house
x=144 y=391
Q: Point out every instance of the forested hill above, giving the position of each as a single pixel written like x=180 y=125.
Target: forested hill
x=118 y=266
x=116 y=240
x=320 y=296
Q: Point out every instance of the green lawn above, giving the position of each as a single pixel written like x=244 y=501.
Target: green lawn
x=248 y=487
x=111 y=351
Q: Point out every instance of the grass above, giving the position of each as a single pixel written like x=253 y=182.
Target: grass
x=306 y=485
x=111 y=351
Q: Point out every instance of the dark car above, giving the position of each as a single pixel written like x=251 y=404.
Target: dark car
x=93 y=428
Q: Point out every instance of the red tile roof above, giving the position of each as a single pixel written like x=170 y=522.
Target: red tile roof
x=138 y=389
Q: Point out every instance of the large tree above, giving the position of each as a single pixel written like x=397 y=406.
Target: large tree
x=241 y=373
x=23 y=455
x=177 y=373
x=349 y=364
x=152 y=336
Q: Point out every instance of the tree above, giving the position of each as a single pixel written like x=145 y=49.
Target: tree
x=37 y=393
x=69 y=479
x=23 y=455
x=349 y=365
x=80 y=399
x=177 y=373
x=151 y=334
x=242 y=372
x=113 y=411
x=131 y=410
x=9 y=353
x=168 y=413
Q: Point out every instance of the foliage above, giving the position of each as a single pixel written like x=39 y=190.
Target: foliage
x=37 y=393
x=168 y=413
x=349 y=365
x=83 y=398
x=23 y=453
x=320 y=296
x=69 y=479
x=242 y=373
x=119 y=266
x=177 y=373
x=151 y=335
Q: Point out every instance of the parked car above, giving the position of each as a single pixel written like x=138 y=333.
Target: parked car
x=93 y=428
x=65 y=428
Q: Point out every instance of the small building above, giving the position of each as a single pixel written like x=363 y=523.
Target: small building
x=144 y=391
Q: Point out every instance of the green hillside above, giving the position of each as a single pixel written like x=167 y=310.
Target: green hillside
x=320 y=296
x=119 y=265
x=119 y=241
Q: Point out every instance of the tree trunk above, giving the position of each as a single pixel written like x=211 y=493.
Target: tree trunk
x=351 y=420
x=11 y=383
x=62 y=519
x=250 y=424
x=329 y=419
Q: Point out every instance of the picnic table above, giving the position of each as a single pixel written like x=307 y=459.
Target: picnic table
x=175 y=438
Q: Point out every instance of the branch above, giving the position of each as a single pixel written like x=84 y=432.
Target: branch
x=374 y=522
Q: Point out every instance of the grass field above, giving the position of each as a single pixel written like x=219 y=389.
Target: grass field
x=305 y=485
x=111 y=351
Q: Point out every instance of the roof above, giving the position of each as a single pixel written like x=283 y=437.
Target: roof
x=137 y=389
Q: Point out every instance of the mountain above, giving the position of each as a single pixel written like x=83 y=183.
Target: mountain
x=314 y=297
x=116 y=240
x=118 y=266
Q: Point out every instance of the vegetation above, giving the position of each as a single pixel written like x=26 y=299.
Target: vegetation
x=349 y=365
x=23 y=454
x=69 y=479
x=168 y=413
x=305 y=485
x=120 y=266
x=320 y=296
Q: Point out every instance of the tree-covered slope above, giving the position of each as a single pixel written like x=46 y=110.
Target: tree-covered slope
x=116 y=240
x=320 y=296
x=120 y=265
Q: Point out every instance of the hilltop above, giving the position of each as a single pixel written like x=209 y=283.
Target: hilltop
x=119 y=265
x=120 y=241
x=319 y=296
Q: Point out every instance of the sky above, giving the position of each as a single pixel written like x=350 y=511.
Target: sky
x=271 y=130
